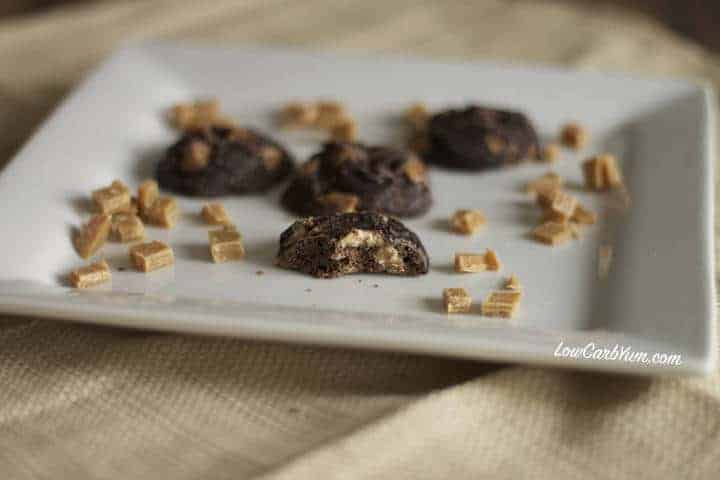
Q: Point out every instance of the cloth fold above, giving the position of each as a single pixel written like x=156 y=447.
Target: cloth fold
x=79 y=401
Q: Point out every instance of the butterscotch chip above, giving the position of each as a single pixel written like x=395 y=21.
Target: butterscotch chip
x=467 y=222
x=113 y=198
x=196 y=156
x=148 y=192
x=344 y=130
x=215 y=214
x=199 y=114
x=552 y=233
x=415 y=170
x=417 y=115
x=127 y=227
x=601 y=173
x=574 y=136
x=150 y=256
x=583 y=216
x=504 y=296
x=271 y=157
x=131 y=207
x=163 y=212
x=546 y=183
x=93 y=235
x=470 y=262
x=330 y=113
x=298 y=114
x=551 y=153
x=605 y=256
x=90 y=275
x=492 y=261
x=226 y=245
x=340 y=202
x=456 y=300
x=512 y=283
x=562 y=204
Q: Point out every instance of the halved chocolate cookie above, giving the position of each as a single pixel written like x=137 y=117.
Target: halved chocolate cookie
x=477 y=138
x=348 y=177
x=340 y=244
x=217 y=161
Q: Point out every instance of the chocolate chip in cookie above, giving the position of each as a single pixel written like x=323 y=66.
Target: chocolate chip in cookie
x=382 y=179
x=335 y=245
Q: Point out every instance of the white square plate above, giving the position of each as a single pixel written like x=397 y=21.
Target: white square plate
x=659 y=297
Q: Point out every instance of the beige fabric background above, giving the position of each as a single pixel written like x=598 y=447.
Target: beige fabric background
x=81 y=402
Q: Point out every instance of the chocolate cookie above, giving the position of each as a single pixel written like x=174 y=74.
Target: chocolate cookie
x=478 y=138
x=218 y=161
x=336 y=245
x=348 y=177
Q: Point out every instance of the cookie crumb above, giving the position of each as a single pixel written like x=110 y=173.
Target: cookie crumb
x=150 y=256
x=93 y=235
x=551 y=153
x=112 y=198
x=214 y=213
x=456 y=300
x=574 y=136
x=226 y=245
x=90 y=275
x=467 y=222
x=552 y=233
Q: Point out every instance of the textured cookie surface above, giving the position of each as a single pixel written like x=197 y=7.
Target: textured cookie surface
x=219 y=161
x=340 y=244
x=346 y=177
x=477 y=138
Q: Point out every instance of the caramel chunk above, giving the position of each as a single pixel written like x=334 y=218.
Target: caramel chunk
x=552 y=233
x=271 y=157
x=127 y=227
x=561 y=204
x=601 y=173
x=93 y=235
x=551 y=153
x=147 y=194
x=501 y=304
x=415 y=170
x=574 y=136
x=215 y=214
x=546 y=183
x=196 y=156
x=583 y=216
x=470 y=262
x=456 y=300
x=150 y=256
x=298 y=115
x=344 y=130
x=467 y=222
x=330 y=113
x=492 y=261
x=605 y=256
x=113 y=198
x=198 y=115
x=163 y=213
x=340 y=202
x=417 y=116
x=90 y=275
x=512 y=283
x=225 y=245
